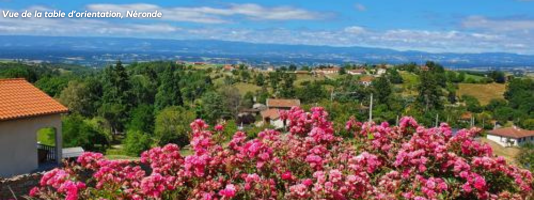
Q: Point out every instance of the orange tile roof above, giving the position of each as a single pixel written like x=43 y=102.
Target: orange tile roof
x=284 y=103
x=19 y=99
x=272 y=114
x=466 y=116
x=228 y=67
x=366 y=79
x=512 y=132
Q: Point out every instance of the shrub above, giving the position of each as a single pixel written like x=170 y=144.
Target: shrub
x=136 y=142
x=78 y=131
x=171 y=125
x=407 y=161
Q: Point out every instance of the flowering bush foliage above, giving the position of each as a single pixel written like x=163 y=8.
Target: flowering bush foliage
x=309 y=162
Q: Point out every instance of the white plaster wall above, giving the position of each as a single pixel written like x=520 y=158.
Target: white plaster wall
x=500 y=141
x=277 y=123
x=18 y=143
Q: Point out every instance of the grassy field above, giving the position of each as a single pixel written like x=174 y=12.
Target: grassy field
x=115 y=152
x=204 y=67
x=6 y=61
x=246 y=87
x=509 y=153
x=410 y=82
x=483 y=92
x=121 y=157
x=474 y=77
x=306 y=77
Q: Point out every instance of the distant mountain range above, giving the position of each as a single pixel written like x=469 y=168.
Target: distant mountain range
x=90 y=50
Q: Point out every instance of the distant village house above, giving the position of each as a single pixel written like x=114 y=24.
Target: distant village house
x=228 y=68
x=272 y=114
x=366 y=80
x=511 y=136
x=328 y=70
x=356 y=72
x=381 y=70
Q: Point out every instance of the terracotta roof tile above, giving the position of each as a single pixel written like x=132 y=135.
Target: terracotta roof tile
x=466 y=116
x=366 y=79
x=272 y=114
x=512 y=132
x=284 y=103
x=228 y=67
x=19 y=98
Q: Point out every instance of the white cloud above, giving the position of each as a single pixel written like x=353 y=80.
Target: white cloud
x=401 y=39
x=475 y=35
x=354 y=29
x=360 y=7
x=211 y=15
x=479 y=22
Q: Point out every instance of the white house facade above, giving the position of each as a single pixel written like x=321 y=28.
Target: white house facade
x=511 y=136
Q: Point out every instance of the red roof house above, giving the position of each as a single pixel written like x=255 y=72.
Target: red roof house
x=513 y=136
x=228 y=68
x=366 y=80
x=328 y=70
x=512 y=132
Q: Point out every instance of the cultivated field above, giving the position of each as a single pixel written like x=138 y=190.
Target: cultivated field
x=483 y=92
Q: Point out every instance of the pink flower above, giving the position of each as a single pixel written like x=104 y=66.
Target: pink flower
x=154 y=185
x=307 y=182
x=299 y=190
x=229 y=191
x=34 y=192
x=287 y=176
x=389 y=162
x=71 y=189
x=467 y=188
x=480 y=183
x=89 y=159
x=219 y=128
x=315 y=161
x=335 y=175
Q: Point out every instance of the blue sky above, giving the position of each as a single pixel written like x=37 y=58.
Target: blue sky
x=428 y=25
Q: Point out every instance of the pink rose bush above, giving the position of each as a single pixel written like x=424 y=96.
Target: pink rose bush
x=310 y=161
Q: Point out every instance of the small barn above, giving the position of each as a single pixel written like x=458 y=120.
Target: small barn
x=24 y=110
